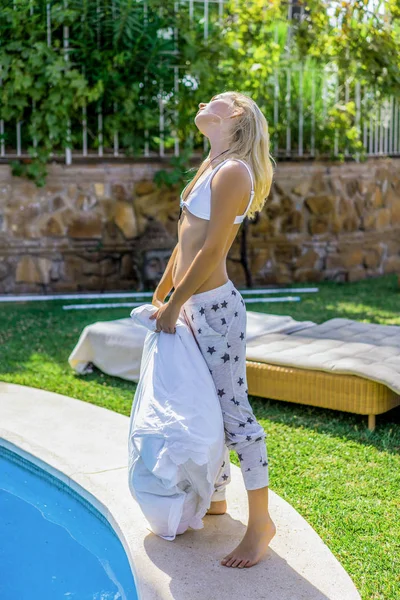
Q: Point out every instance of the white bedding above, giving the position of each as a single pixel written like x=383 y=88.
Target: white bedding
x=176 y=431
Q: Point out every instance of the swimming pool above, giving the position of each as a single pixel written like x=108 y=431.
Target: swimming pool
x=54 y=543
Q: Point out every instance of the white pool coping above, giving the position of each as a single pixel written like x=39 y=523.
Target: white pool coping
x=86 y=447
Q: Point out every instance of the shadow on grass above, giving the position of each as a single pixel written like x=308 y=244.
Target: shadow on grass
x=386 y=435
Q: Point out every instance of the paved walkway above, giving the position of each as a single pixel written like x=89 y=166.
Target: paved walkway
x=86 y=447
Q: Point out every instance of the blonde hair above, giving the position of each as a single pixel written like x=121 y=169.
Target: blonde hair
x=249 y=141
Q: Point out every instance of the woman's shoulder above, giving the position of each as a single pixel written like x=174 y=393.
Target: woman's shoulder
x=234 y=175
x=235 y=168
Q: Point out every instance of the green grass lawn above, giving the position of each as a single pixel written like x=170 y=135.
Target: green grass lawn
x=343 y=479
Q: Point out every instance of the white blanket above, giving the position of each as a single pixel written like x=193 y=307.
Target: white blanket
x=115 y=347
x=176 y=432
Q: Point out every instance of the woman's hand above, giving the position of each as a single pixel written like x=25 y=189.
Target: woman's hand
x=167 y=316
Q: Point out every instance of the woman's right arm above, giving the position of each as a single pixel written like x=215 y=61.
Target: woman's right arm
x=165 y=284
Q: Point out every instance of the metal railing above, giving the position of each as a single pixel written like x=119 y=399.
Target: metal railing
x=301 y=96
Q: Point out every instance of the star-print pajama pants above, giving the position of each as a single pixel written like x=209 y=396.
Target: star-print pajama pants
x=217 y=319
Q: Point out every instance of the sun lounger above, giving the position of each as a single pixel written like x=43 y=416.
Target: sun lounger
x=341 y=364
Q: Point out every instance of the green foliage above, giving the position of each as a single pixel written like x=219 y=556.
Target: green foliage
x=173 y=176
x=34 y=169
x=46 y=86
x=120 y=63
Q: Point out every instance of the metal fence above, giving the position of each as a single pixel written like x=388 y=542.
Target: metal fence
x=301 y=97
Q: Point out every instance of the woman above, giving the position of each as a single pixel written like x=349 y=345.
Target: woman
x=221 y=194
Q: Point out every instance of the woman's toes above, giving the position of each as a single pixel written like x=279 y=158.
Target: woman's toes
x=236 y=562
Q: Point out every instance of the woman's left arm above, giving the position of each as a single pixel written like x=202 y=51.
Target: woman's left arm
x=227 y=192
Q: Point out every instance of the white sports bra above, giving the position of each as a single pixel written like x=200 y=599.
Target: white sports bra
x=199 y=199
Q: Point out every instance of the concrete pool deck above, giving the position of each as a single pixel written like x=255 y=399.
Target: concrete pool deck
x=86 y=447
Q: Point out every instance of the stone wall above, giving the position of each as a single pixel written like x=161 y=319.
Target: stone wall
x=108 y=227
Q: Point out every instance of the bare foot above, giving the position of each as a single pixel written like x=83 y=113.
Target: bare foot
x=253 y=546
x=217 y=508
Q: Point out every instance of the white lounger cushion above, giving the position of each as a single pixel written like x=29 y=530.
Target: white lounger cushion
x=340 y=346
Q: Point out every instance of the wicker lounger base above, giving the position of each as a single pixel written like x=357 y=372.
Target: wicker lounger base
x=336 y=391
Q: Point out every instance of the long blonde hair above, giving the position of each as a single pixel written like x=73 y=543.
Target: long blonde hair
x=249 y=141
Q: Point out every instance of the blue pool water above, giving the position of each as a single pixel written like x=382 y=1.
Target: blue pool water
x=54 y=544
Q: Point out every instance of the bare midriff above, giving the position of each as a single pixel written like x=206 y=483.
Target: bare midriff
x=192 y=233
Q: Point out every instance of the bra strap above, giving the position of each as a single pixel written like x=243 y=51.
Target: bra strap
x=249 y=202
x=215 y=169
x=252 y=185
x=248 y=168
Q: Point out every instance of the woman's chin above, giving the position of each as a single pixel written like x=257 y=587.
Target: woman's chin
x=199 y=128
x=198 y=124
